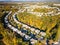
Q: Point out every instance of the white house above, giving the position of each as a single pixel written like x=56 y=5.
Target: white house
x=42 y=33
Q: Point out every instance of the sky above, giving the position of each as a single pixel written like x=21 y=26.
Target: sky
x=31 y=0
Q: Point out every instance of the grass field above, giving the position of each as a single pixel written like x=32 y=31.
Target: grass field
x=49 y=24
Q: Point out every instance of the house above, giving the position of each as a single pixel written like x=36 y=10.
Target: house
x=27 y=37
x=6 y=21
x=37 y=31
x=23 y=34
x=56 y=43
x=32 y=29
x=42 y=33
x=33 y=41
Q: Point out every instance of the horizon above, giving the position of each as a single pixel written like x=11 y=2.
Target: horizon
x=29 y=1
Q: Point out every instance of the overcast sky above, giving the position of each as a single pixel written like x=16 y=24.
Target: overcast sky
x=30 y=0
